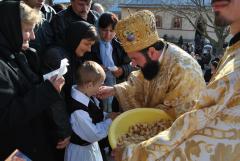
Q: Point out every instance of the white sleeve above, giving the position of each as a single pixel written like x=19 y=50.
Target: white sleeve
x=83 y=126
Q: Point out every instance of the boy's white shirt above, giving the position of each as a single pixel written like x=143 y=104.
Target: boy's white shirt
x=82 y=123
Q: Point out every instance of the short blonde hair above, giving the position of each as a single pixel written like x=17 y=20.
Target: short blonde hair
x=88 y=72
x=29 y=15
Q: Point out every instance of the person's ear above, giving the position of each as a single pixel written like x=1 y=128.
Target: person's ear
x=153 y=53
x=89 y=84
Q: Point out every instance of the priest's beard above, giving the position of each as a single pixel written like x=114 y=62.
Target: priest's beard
x=221 y=21
x=150 y=69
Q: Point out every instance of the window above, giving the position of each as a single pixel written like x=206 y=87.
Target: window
x=177 y=23
x=159 y=21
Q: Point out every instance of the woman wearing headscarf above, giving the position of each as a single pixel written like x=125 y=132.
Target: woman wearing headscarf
x=109 y=53
x=80 y=36
x=23 y=98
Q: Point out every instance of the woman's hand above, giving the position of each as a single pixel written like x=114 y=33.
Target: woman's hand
x=118 y=73
x=104 y=68
x=57 y=83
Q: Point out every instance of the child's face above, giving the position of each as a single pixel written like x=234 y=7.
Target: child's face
x=94 y=88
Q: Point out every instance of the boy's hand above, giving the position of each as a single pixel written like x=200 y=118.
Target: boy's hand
x=57 y=83
x=63 y=143
x=113 y=115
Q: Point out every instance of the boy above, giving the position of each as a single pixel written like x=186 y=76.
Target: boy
x=89 y=123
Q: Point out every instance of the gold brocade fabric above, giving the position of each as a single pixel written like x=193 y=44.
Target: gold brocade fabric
x=175 y=88
x=211 y=131
x=137 y=31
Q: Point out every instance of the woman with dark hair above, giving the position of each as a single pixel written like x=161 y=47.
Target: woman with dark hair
x=109 y=53
x=80 y=36
x=24 y=96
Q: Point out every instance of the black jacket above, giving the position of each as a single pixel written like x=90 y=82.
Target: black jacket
x=119 y=56
x=64 y=18
x=58 y=115
x=48 y=12
x=52 y=61
x=43 y=37
x=23 y=99
x=95 y=113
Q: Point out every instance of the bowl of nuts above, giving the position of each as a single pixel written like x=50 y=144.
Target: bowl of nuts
x=137 y=125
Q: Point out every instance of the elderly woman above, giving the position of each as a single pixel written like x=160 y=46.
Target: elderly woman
x=23 y=99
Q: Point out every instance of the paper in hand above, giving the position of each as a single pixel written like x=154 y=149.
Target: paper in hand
x=59 y=72
x=18 y=156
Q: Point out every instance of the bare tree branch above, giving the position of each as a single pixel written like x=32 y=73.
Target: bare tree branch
x=193 y=10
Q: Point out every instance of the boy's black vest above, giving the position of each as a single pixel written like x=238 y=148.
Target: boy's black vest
x=94 y=112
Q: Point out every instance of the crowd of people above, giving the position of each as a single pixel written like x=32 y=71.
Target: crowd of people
x=36 y=115
x=114 y=66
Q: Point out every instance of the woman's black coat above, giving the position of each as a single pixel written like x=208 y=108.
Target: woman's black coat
x=23 y=99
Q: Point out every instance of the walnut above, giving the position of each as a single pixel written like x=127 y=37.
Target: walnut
x=142 y=131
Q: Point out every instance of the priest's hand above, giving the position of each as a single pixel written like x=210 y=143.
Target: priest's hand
x=57 y=83
x=105 y=92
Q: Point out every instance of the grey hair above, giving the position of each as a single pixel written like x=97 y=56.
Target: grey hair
x=97 y=6
x=29 y=15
